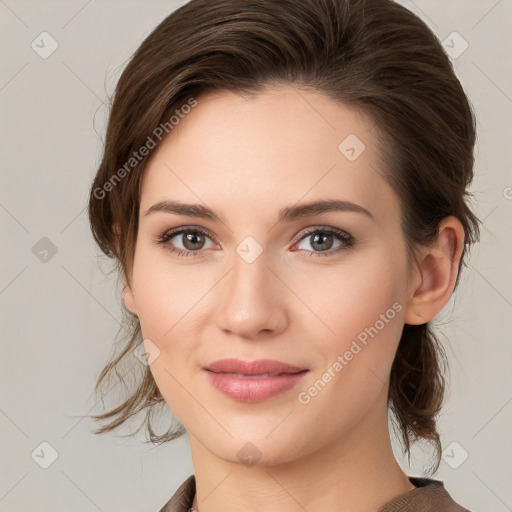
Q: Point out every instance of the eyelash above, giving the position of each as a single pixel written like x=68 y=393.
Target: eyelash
x=348 y=241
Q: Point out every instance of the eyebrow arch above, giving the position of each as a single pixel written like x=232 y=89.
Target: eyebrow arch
x=288 y=214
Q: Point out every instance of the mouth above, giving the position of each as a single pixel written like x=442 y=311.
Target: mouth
x=252 y=368
x=253 y=381
x=257 y=376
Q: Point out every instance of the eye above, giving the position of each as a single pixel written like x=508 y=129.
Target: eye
x=322 y=240
x=192 y=240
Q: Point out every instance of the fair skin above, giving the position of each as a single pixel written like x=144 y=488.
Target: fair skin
x=246 y=159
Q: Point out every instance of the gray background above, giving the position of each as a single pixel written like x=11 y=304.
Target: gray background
x=60 y=312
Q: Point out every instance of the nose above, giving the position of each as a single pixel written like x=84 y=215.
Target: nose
x=252 y=302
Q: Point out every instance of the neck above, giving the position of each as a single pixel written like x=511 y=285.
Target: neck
x=357 y=473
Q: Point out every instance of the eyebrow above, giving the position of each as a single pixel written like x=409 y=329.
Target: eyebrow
x=287 y=214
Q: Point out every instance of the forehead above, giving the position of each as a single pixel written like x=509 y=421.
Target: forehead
x=277 y=148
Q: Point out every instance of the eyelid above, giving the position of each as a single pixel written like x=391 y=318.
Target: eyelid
x=324 y=229
x=346 y=238
x=171 y=233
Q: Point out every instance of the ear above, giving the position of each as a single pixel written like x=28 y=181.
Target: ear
x=128 y=298
x=436 y=274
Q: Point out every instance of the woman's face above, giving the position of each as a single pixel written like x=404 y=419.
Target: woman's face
x=263 y=277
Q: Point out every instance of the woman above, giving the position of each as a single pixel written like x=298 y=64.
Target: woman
x=283 y=186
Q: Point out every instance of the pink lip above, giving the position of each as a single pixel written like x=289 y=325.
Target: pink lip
x=242 y=380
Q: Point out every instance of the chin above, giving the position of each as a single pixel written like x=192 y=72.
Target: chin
x=258 y=449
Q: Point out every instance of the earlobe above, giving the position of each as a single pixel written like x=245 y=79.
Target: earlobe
x=438 y=271
x=129 y=300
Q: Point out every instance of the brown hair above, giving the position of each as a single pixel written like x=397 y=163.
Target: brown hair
x=374 y=55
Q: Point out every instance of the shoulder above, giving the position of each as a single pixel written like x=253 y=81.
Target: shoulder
x=182 y=499
x=429 y=496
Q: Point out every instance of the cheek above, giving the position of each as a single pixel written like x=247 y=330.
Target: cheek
x=166 y=304
x=170 y=306
x=164 y=293
x=353 y=372
x=365 y=314
x=353 y=297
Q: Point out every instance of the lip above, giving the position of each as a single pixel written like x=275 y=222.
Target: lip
x=257 y=367
x=253 y=381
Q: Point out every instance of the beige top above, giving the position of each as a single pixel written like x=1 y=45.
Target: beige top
x=429 y=496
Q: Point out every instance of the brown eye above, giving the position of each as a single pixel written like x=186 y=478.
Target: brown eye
x=185 y=241
x=192 y=240
x=322 y=242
